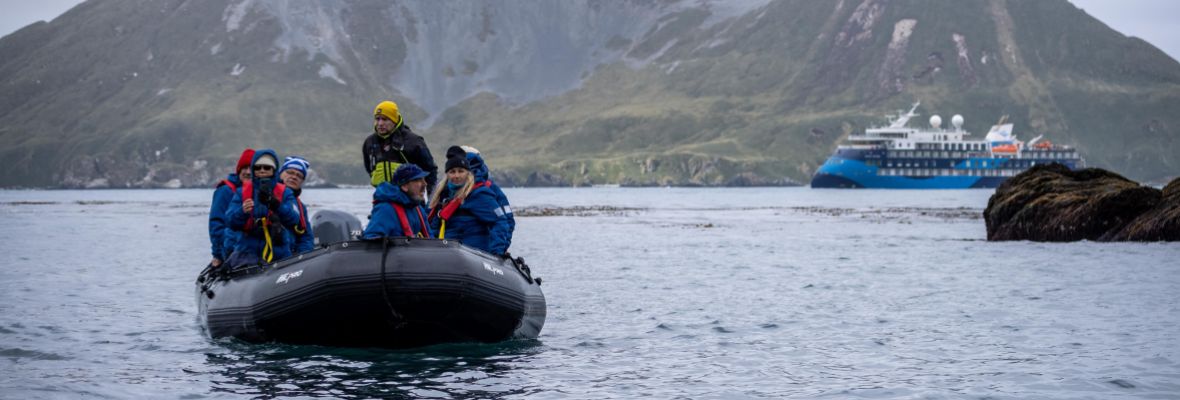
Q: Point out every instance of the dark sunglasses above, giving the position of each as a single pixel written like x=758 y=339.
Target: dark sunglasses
x=264 y=168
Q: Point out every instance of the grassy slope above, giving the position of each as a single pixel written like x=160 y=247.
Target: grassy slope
x=768 y=95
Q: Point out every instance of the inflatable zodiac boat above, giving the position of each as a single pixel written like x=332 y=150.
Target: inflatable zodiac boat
x=392 y=293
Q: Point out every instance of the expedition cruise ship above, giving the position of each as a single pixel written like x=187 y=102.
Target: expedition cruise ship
x=900 y=157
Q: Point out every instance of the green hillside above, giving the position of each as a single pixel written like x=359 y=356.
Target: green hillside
x=117 y=95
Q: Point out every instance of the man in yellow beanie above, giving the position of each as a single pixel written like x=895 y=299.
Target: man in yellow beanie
x=393 y=144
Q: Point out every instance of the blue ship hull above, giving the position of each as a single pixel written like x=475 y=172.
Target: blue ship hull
x=849 y=169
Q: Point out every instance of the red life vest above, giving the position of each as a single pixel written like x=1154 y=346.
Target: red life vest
x=226 y=182
x=405 y=221
x=248 y=194
x=302 y=228
x=449 y=209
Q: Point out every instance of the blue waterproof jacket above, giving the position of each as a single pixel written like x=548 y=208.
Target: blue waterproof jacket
x=384 y=221
x=298 y=243
x=251 y=243
x=479 y=169
x=476 y=223
x=217 y=221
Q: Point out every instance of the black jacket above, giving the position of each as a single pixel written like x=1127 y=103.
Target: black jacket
x=402 y=146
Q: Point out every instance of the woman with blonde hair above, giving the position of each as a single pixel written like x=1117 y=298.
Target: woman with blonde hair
x=463 y=210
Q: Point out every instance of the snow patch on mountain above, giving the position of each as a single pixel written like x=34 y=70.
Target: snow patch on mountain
x=329 y=71
x=312 y=27
x=522 y=51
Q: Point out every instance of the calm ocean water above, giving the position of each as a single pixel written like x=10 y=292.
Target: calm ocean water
x=659 y=293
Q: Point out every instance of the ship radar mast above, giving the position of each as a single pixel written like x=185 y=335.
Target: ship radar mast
x=904 y=118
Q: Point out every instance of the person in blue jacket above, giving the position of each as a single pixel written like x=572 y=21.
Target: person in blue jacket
x=292 y=174
x=259 y=211
x=221 y=197
x=468 y=212
x=399 y=206
x=479 y=169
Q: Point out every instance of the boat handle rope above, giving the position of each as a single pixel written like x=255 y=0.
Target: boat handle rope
x=397 y=318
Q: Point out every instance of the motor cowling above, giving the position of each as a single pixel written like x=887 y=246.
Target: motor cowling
x=333 y=226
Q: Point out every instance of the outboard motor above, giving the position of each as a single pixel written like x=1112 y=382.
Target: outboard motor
x=332 y=226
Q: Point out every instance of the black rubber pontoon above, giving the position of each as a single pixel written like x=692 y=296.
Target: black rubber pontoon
x=393 y=293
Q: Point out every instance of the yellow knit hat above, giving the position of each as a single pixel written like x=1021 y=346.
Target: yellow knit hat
x=389 y=110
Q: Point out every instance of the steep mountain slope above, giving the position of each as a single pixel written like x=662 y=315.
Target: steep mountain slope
x=681 y=92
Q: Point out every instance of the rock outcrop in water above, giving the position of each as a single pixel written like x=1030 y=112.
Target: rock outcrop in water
x=1159 y=223
x=1051 y=203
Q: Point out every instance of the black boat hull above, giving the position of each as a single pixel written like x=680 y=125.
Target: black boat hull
x=428 y=292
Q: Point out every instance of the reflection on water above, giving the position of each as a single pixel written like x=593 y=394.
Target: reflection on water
x=446 y=371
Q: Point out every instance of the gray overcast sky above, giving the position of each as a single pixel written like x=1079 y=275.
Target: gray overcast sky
x=1156 y=21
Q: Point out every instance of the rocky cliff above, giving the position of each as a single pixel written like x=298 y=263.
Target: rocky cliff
x=148 y=93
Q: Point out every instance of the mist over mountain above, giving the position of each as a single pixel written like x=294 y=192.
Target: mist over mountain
x=126 y=93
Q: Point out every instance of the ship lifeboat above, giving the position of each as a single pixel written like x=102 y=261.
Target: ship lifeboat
x=1004 y=148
